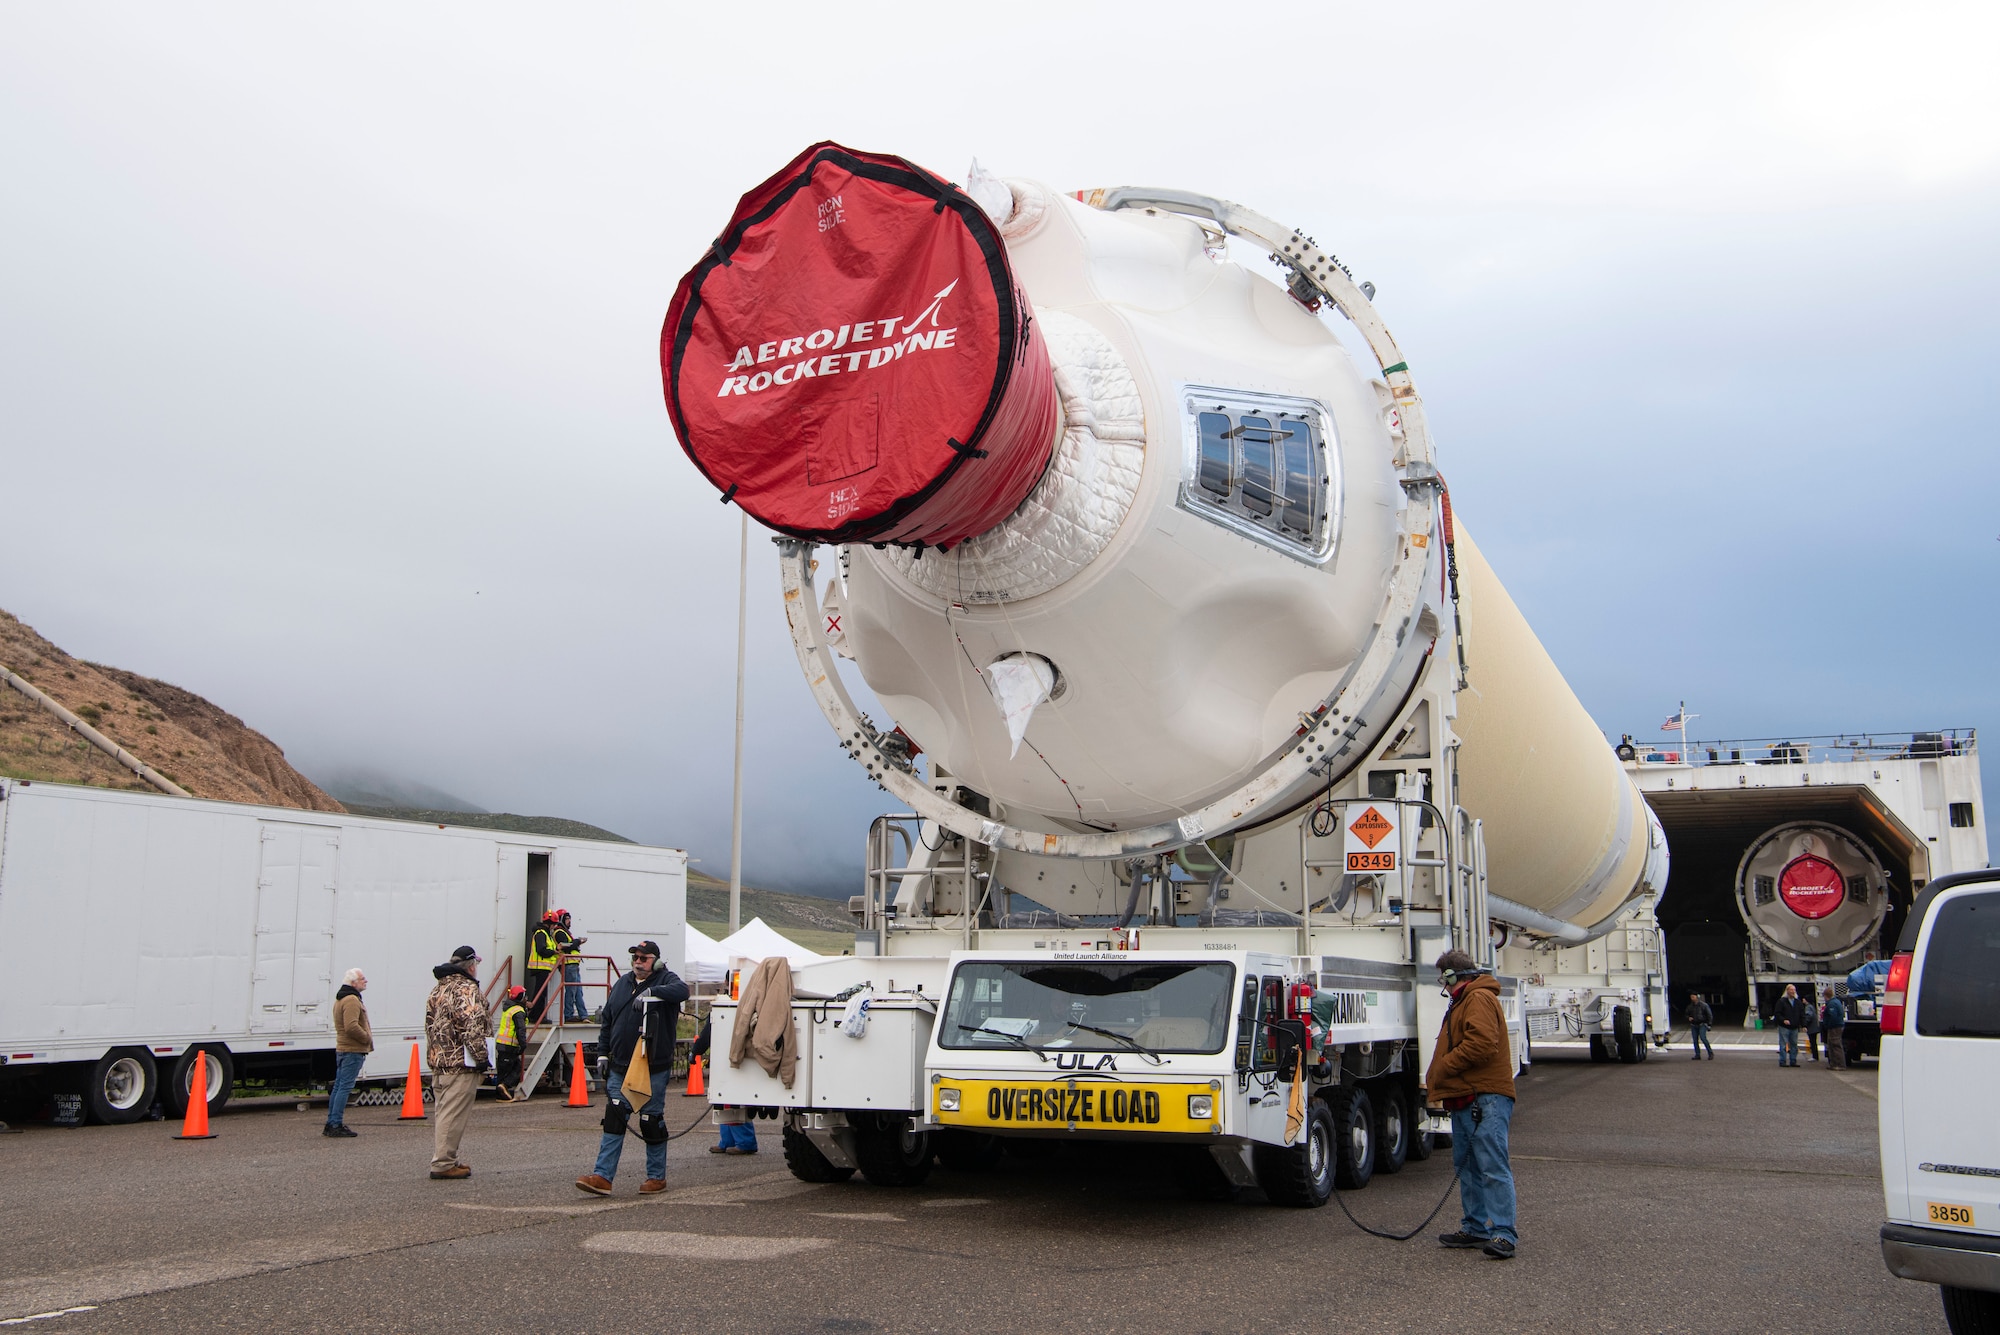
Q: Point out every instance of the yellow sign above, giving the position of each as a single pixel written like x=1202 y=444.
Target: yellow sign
x=1076 y=1105
x=1956 y=1216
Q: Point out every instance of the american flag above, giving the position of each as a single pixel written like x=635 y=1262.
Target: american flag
x=1676 y=723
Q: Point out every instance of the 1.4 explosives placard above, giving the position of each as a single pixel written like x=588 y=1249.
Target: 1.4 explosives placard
x=1371 y=838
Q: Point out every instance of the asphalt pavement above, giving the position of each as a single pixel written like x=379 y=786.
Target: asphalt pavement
x=1670 y=1196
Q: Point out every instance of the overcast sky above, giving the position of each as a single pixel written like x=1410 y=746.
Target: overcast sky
x=328 y=339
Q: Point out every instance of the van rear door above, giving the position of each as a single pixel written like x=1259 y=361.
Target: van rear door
x=1950 y=1087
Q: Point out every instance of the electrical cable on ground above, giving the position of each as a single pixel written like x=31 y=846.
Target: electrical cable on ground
x=1397 y=1237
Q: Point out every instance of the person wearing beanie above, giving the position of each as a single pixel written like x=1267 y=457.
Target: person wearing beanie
x=1472 y=1077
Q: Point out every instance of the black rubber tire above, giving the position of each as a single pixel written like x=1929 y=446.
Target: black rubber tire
x=1201 y=1178
x=121 y=1087
x=1392 y=1128
x=1622 y=1038
x=222 y=1076
x=1353 y=1138
x=807 y=1163
x=1642 y=1047
x=1422 y=1144
x=891 y=1154
x=1970 y=1311
x=1600 y=1051
x=969 y=1151
x=1301 y=1175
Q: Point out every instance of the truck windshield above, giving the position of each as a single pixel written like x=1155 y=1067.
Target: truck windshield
x=1090 y=1006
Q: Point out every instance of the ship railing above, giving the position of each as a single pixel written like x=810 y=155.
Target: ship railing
x=1805 y=750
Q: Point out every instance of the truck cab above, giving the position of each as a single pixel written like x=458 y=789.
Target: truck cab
x=1939 y=1086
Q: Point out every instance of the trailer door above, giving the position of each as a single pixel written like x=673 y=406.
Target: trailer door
x=292 y=985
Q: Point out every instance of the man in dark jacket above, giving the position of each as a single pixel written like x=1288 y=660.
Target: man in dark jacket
x=1699 y=1018
x=1833 y=1032
x=1790 y=1015
x=644 y=1007
x=1472 y=1075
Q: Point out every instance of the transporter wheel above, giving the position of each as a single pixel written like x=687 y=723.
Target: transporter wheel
x=1392 y=1129
x=807 y=1163
x=1642 y=1047
x=1353 y=1138
x=1300 y=1175
x=1621 y=1028
x=221 y=1077
x=1600 y=1048
x=1200 y=1177
x=121 y=1086
x=969 y=1151
x=1970 y=1311
x=1420 y=1143
x=892 y=1153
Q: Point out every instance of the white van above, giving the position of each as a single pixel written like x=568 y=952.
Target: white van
x=1940 y=1098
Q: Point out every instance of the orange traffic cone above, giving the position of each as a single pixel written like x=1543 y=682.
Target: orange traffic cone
x=413 y=1090
x=195 y=1125
x=695 y=1087
x=579 y=1085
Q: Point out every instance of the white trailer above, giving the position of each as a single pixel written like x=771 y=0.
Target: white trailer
x=144 y=929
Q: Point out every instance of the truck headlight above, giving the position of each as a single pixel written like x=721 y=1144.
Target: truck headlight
x=947 y=1099
x=1201 y=1107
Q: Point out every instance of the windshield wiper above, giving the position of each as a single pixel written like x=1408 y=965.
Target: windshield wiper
x=1015 y=1039
x=1126 y=1039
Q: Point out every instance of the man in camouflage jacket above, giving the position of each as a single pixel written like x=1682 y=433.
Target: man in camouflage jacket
x=455 y=1029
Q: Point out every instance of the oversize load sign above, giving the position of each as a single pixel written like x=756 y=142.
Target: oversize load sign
x=1073 y=1105
x=1371 y=837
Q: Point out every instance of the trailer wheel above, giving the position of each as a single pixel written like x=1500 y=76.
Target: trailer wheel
x=969 y=1151
x=1392 y=1129
x=807 y=1163
x=1420 y=1142
x=1621 y=1029
x=1600 y=1050
x=1301 y=1175
x=1353 y=1138
x=221 y=1078
x=892 y=1153
x=121 y=1086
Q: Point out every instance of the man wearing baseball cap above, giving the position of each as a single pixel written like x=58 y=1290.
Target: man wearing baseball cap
x=644 y=1007
x=1472 y=1076
x=455 y=1023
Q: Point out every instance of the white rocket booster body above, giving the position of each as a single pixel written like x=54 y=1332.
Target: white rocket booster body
x=1202 y=564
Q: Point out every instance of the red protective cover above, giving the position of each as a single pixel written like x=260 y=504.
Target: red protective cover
x=853 y=361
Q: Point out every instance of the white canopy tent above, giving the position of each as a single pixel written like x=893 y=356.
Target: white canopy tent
x=756 y=940
x=707 y=960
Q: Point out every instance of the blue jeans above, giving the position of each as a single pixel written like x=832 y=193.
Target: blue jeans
x=739 y=1135
x=1485 y=1180
x=1698 y=1036
x=573 y=993
x=610 y=1146
x=346 y=1067
x=1788 y=1047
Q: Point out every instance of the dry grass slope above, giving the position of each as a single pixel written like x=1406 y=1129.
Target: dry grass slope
x=205 y=750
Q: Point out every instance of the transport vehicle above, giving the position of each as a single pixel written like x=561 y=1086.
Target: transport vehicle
x=1940 y=1079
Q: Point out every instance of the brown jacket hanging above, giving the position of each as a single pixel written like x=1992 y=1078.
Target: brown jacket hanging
x=764 y=1027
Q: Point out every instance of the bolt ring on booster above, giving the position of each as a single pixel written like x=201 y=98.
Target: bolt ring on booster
x=1341 y=719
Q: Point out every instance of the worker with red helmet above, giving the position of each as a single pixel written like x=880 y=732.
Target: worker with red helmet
x=544 y=960
x=509 y=1038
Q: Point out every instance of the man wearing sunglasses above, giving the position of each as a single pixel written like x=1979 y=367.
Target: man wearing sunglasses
x=644 y=1007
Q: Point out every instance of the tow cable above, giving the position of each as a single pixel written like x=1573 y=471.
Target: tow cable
x=1451 y=1186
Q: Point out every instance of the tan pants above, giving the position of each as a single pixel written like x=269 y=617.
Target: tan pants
x=456 y=1091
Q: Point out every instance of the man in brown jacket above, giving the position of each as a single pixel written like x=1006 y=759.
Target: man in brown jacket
x=1472 y=1076
x=353 y=1040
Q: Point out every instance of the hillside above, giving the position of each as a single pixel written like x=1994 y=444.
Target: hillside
x=491 y=820
x=204 y=749
x=818 y=924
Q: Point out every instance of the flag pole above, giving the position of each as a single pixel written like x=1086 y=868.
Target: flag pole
x=736 y=804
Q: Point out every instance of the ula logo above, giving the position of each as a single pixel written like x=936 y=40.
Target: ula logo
x=925 y=333
x=1080 y=1061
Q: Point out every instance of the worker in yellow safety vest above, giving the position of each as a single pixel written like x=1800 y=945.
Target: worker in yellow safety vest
x=544 y=959
x=510 y=1036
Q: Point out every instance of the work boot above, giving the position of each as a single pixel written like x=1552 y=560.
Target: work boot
x=455 y=1171
x=1500 y=1249
x=1460 y=1240
x=718 y=1149
x=595 y=1185
x=339 y=1132
x=651 y=1185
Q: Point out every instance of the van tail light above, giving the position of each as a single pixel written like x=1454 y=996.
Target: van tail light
x=1893 y=992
